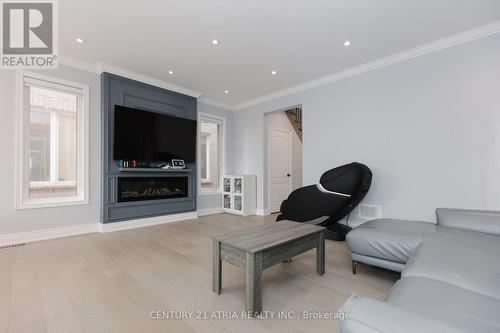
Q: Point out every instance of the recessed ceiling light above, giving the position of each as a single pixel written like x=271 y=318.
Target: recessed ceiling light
x=215 y=42
x=273 y=72
x=79 y=40
x=226 y=91
x=170 y=72
x=347 y=43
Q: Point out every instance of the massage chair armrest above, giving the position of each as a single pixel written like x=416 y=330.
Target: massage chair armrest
x=366 y=315
x=474 y=220
x=309 y=202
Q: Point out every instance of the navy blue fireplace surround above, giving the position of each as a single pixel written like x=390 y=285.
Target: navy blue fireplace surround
x=137 y=194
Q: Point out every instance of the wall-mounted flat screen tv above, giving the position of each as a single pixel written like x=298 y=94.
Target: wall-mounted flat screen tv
x=152 y=136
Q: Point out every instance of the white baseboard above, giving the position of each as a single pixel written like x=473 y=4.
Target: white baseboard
x=146 y=222
x=210 y=211
x=81 y=229
x=45 y=234
x=262 y=212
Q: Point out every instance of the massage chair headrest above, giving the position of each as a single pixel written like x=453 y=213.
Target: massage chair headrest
x=347 y=178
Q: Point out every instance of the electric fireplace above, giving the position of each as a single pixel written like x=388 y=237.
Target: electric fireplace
x=151 y=188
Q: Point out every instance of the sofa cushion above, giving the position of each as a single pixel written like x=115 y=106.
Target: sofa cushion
x=365 y=315
x=470 y=263
x=388 y=239
x=446 y=303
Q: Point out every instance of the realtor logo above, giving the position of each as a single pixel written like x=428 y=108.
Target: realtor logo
x=29 y=38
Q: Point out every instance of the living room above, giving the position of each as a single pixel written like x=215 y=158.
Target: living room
x=174 y=166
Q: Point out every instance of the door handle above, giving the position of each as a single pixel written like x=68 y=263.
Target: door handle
x=288 y=175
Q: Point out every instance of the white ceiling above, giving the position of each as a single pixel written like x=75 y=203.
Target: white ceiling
x=301 y=39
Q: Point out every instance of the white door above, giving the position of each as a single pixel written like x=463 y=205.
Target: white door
x=280 y=167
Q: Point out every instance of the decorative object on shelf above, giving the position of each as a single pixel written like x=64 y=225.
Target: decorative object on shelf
x=155 y=170
x=237 y=185
x=175 y=165
x=178 y=164
x=157 y=164
x=238 y=194
x=127 y=163
x=227 y=185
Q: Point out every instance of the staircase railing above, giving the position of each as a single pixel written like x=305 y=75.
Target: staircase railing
x=295 y=117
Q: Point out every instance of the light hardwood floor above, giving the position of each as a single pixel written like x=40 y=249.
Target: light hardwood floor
x=112 y=282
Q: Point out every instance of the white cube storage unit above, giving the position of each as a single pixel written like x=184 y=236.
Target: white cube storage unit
x=238 y=194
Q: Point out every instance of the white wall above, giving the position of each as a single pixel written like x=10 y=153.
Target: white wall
x=279 y=120
x=428 y=128
x=212 y=202
x=12 y=220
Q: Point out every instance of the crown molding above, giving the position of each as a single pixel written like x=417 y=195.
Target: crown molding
x=209 y=101
x=441 y=44
x=100 y=67
x=104 y=67
x=75 y=63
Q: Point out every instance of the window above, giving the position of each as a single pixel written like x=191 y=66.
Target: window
x=211 y=153
x=52 y=142
x=204 y=157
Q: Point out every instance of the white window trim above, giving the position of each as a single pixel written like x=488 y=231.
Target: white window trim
x=22 y=141
x=222 y=155
x=207 y=153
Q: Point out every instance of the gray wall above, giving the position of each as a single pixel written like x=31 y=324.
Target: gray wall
x=429 y=128
x=12 y=220
x=208 y=202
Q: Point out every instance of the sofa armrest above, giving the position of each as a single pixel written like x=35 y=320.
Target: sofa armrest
x=366 y=315
x=475 y=220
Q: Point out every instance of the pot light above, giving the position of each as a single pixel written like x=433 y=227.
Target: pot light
x=226 y=91
x=79 y=40
x=273 y=72
x=171 y=72
x=215 y=42
x=347 y=43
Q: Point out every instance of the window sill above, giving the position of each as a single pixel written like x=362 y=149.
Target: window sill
x=52 y=203
x=216 y=192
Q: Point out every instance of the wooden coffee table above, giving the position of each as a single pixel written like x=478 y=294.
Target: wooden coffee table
x=258 y=248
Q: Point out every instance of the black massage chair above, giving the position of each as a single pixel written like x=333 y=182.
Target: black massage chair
x=338 y=192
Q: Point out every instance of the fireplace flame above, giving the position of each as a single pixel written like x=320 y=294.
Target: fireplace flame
x=151 y=192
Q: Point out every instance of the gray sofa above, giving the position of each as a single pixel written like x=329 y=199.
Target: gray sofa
x=450 y=274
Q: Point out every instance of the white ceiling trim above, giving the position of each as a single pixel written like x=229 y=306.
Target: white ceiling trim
x=100 y=67
x=75 y=63
x=209 y=101
x=103 y=67
x=458 y=39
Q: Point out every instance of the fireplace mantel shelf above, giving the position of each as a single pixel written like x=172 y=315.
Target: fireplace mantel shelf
x=154 y=170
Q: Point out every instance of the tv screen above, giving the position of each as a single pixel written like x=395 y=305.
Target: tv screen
x=151 y=136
